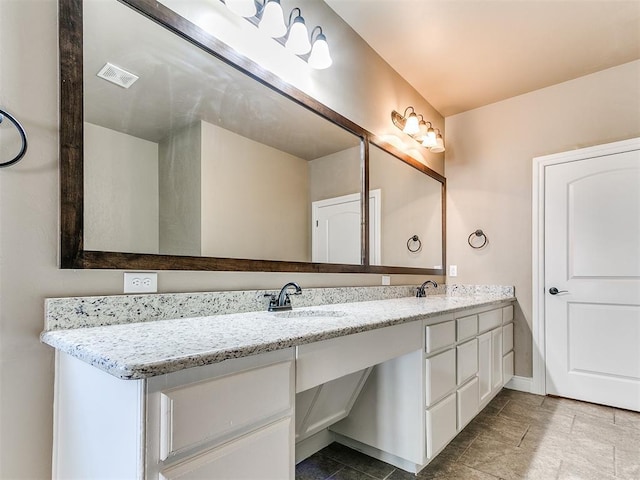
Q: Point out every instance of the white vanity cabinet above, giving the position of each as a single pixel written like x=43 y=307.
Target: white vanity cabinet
x=421 y=400
x=202 y=422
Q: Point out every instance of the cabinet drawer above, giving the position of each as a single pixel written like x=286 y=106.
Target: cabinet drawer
x=507 y=367
x=440 y=375
x=489 y=320
x=262 y=454
x=467 y=360
x=220 y=407
x=468 y=402
x=441 y=425
x=321 y=362
x=439 y=336
x=467 y=327
x=507 y=338
x=507 y=314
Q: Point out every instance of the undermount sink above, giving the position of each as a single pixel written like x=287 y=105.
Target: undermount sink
x=310 y=314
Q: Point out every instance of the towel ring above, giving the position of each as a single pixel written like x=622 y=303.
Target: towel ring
x=23 y=136
x=415 y=238
x=478 y=233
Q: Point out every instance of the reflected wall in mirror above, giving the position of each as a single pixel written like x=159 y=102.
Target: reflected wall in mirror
x=411 y=204
x=196 y=158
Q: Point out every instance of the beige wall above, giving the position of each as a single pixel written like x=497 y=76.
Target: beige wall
x=489 y=173
x=121 y=192
x=334 y=175
x=254 y=199
x=29 y=215
x=411 y=205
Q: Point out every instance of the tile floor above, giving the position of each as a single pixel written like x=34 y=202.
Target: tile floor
x=518 y=435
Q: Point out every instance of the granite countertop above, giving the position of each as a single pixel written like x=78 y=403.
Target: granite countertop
x=146 y=349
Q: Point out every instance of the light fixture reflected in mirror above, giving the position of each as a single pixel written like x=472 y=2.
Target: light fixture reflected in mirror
x=295 y=37
x=419 y=129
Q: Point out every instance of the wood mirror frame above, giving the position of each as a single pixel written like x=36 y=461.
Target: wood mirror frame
x=74 y=256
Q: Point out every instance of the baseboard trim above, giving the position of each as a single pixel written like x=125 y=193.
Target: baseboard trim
x=316 y=442
x=522 y=384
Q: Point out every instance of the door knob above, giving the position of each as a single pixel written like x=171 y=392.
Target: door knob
x=555 y=291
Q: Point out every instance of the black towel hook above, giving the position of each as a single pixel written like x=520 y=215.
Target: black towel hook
x=23 y=136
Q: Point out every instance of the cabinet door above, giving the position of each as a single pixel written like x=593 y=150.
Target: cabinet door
x=331 y=402
x=441 y=425
x=507 y=338
x=507 y=367
x=484 y=366
x=440 y=375
x=467 y=360
x=496 y=359
x=468 y=403
x=264 y=454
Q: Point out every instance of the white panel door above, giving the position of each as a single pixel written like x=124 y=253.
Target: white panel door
x=592 y=257
x=336 y=229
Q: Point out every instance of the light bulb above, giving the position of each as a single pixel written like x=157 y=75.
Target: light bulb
x=272 y=20
x=244 y=8
x=320 y=57
x=298 y=40
x=411 y=126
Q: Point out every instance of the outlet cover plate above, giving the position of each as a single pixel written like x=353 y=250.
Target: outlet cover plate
x=140 y=282
x=453 y=270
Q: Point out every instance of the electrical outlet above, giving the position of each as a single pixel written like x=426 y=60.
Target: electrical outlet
x=453 y=270
x=140 y=282
x=386 y=280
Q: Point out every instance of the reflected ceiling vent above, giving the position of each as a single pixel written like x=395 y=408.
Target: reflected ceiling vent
x=117 y=75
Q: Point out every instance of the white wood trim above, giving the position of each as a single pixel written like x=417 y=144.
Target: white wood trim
x=522 y=384
x=310 y=445
x=538 y=383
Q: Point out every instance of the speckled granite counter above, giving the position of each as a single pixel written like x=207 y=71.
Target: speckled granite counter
x=145 y=349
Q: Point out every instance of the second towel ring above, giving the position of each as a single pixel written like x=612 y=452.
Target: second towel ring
x=417 y=240
x=478 y=233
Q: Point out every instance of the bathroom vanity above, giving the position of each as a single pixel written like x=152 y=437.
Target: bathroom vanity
x=247 y=395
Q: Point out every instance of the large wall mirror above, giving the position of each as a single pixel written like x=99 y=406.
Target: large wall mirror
x=206 y=162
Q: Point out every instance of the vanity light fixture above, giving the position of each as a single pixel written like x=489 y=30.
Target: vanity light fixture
x=272 y=19
x=298 y=39
x=320 y=57
x=269 y=18
x=411 y=124
x=419 y=129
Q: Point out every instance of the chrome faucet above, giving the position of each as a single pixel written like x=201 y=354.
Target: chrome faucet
x=282 y=301
x=422 y=288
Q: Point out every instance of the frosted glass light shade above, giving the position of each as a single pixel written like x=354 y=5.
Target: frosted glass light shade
x=244 y=8
x=320 y=57
x=298 y=40
x=272 y=20
x=439 y=146
x=411 y=126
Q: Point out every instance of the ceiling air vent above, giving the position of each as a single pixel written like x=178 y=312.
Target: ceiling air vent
x=117 y=75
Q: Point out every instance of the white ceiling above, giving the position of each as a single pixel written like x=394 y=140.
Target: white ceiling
x=463 y=54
